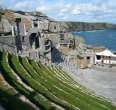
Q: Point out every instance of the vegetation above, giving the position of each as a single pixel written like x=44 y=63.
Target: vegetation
x=52 y=87
x=7 y=94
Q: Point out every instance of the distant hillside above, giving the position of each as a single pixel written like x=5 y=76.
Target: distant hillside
x=84 y=26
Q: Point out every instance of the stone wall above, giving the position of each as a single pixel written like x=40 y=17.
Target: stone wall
x=5 y=26
x=8 y=43
x=10 y=48
x=54 y=27
x=7 y=40
x=1 y=27
x=43 y=25
x=54 y=37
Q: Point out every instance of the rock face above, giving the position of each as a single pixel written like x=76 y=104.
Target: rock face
x=83 y=26
x=5 y=26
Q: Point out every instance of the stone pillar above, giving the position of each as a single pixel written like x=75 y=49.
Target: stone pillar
x=25 y=32
x=18 y=36
x=38 y=24
x=13 y=33
x=32 y=24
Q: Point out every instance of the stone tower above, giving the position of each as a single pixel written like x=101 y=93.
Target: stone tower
x=18 y=36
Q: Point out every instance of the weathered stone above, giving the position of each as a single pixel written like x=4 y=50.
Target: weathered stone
x=39 y=34
x=5 y=26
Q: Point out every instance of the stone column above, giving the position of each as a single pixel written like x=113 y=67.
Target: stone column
x=13 y=33
x=25 y=33
x=32 y=24
x=38 y=24
x=18 y=36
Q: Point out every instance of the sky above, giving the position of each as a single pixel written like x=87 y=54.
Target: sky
x=68 y=10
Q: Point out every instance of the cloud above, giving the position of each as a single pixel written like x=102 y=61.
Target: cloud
x=1 y=2
x=89 y=11
x=25 y=5
x=50 y=7
x=80 y=10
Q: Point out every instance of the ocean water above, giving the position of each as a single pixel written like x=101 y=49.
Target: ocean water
x=104 y=38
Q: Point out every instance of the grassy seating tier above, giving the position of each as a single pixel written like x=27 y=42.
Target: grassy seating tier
x=49 y=84
x=65 y=93
x=36 y=98
x=36 y=85
x=93 y=101
x=7 y=94
x=52 y=87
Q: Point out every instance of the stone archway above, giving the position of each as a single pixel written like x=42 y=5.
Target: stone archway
x=34 y=40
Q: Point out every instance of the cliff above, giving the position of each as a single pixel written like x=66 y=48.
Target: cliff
x=52 y=25
x=84 y=26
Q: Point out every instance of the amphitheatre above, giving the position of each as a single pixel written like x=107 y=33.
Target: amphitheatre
x=44 y=67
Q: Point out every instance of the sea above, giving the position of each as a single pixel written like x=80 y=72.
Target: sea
x=99 y=38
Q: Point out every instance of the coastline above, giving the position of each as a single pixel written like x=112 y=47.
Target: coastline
x=90 y=31
x=99 y=38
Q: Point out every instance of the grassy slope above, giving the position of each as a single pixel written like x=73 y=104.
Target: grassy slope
x=7 y=94
x=52 y=84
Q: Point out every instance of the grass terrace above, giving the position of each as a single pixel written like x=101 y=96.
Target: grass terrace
x=52 y=88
